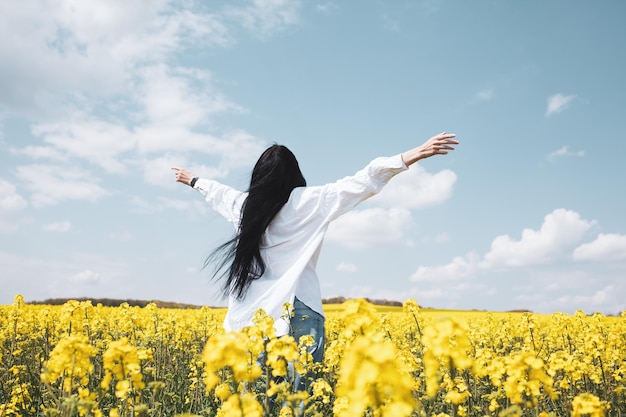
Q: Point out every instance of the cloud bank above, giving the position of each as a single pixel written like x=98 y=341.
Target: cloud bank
x=529 y=263
x=391 y=221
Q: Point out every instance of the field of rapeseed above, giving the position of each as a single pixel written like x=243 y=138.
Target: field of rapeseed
x=84 y=360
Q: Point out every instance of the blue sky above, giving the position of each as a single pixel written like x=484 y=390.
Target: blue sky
x=99 y=99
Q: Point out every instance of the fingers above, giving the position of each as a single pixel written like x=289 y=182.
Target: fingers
x=178 y=174
x=446 y=138
x=443 y=142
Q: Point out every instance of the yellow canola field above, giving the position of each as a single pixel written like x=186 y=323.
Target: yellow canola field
x=85 y=360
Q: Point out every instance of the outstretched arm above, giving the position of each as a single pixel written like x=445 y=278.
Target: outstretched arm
x=344 y=194
x=437 y=145
x=225 y=200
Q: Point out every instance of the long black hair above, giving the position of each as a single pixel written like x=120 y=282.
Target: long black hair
x=275 y=175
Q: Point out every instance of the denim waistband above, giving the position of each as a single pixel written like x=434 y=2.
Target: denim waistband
x=301 y=309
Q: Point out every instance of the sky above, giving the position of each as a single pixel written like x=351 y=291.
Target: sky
x=99 y=99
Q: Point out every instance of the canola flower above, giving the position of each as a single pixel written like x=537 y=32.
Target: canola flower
x=70 y=360
x=121 y=361
x=587 y=405
x=81 y=359
x=372 y=379
x=228 y=352
x=446 y=346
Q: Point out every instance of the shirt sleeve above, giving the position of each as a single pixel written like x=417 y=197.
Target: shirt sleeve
x=344 y=194
x=224 y=200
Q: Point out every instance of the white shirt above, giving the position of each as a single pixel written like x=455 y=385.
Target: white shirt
x=291 y=244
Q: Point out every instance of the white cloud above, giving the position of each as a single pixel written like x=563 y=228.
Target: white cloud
x=568 y=289
x=606 y=248
x=577 y=290
x=235 y=148
x=11 y=204
x=560 y=232
x=90 y=47
x=41 y=152
x=431 y=6
x=442 y=238
x=116 y=95
x=98 y=142
x=371 y=227
x=452 y=293
x=347 y=267
x=86 y=277
x=159 y=172
x=170 y=119
x=483 y=95
x=144 y=206
x=10 y=200
x=599 y=298
x=460 y=268
x=563 y=152
x=608 y=299
x=170 y=97
x=417 y=188
x=326 y=8
x=264 y=17
x=180 y=205
x=374 y=226
x=76 y=275
x=121 y=236
x=51 y=184
x=558 y=102
x=60 y=227
x=239 y=149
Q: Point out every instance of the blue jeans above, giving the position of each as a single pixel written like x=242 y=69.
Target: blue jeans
x=307 y=322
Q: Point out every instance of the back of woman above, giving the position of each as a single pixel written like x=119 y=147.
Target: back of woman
x=281 y=225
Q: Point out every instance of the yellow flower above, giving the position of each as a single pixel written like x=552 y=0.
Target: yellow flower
x=370 y=376
x=456 y=396
x=287 y=312
x=265 y=324
x=525 y=376
x=410 y=306
x=241 y=405
x=229 y=350
x=222 y=391
x=280 y=352
x=322 y=390
x=121 y=361
x=18 y=301
x=446 y=344
x=361 y=317
x=587 y=405
x=71 y=360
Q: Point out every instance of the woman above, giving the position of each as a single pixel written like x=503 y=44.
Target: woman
x=281 y=224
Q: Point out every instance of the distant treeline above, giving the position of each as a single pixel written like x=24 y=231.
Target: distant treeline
x=340 y=300
x=112 y=302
